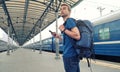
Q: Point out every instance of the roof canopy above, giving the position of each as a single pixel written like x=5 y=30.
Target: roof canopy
x=25 y=17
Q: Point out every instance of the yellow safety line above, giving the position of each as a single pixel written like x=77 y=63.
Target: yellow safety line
x=104 y=64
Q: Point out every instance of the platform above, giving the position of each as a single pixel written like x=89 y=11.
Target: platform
x=25 y=60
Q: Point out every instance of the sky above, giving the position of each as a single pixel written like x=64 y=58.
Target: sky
x=3 y=35
x=87 y=9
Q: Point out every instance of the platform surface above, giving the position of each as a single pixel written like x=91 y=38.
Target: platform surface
x=25 y=60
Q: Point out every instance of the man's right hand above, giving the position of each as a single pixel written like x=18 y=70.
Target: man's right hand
x=54 y=34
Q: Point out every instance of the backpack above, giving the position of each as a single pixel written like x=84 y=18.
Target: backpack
x=84 y=46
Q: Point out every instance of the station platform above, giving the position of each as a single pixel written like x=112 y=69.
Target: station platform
x=25 y=60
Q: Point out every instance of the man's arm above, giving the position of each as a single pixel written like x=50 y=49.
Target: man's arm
x=73 y=33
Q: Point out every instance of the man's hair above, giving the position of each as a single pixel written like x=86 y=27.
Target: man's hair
x=64 y=4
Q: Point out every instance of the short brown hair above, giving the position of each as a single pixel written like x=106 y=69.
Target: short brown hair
x=64 y=4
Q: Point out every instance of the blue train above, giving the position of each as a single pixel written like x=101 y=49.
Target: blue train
x=106 y=36
x=48 y=44
x=4 y=47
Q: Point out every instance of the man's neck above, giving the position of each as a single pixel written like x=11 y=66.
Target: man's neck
x=65 y=18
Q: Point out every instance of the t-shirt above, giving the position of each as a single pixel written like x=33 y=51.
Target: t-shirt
x=69 y=50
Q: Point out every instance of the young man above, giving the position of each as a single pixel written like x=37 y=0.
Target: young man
x=70 y=32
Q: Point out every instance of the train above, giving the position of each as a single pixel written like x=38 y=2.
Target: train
x=4 y=46
x=106 y=36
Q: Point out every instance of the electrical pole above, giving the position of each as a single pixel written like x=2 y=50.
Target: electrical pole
x=100 y=9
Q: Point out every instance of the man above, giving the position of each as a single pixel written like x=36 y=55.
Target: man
x=70 y=32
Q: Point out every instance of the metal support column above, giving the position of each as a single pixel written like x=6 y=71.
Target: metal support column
x=57 y=40
x=100 y=9
x=12 y=44
x=40 y=50
x=8 y=44
x=33 y=44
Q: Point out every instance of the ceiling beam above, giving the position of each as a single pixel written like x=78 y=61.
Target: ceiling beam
x=8 y=18
x=25 y=13
x=40 y=20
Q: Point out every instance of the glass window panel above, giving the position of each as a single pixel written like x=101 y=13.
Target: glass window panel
x=104 y=34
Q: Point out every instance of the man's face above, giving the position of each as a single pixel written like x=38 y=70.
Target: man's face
x=64 y=11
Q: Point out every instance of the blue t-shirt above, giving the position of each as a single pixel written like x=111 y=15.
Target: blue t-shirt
x=69 y=50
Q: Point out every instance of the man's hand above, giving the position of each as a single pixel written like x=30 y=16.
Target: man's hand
x=56 y=35
x=62 y=27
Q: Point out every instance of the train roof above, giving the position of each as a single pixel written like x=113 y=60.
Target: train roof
x=107 y=18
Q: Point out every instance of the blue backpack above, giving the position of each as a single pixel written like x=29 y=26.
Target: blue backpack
x=84 y=46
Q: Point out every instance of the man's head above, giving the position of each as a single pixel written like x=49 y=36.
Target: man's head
x=65 y=10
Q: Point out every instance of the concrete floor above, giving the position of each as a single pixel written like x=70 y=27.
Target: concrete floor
x=25 y=60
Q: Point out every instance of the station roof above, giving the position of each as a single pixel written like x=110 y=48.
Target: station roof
x=25 y=18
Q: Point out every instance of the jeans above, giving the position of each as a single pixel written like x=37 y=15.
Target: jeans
x=71 y=64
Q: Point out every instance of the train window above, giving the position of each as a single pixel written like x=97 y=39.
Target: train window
x=45 y=42
x=49 y=41
x=104 y=33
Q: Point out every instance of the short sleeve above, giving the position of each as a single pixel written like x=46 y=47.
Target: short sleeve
x=70 y=23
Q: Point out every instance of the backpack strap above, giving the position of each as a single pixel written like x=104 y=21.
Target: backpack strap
x=88 y=62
